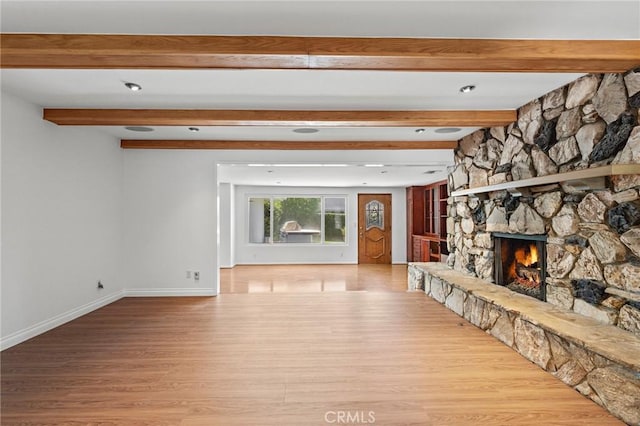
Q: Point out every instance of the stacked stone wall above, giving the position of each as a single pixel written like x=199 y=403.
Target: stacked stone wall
x=593 y=246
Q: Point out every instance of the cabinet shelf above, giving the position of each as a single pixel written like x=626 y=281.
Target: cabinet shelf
x=427 y=222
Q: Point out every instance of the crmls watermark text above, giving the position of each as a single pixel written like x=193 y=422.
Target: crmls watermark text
x=350 y=417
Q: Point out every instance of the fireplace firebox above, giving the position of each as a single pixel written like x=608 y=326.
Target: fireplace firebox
x=520 y=263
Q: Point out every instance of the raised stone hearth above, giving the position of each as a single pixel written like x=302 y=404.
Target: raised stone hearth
x=600 y=361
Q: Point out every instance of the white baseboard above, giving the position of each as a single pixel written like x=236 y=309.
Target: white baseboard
x=350 y=262
x=44 y=326
x=168 y=292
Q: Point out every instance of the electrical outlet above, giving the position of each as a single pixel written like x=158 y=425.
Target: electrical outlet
x=100 y=286
x=196 y=275
x=188 y=274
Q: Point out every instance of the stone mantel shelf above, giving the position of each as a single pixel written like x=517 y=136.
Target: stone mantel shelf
x=576 y=175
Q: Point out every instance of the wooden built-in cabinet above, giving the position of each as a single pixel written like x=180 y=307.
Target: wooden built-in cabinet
x=427 y=222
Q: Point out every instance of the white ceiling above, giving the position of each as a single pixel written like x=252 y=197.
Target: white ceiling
x=334 y=174
x=265 y=133
x=280 y=89
x=547 y=19
x=307 y=89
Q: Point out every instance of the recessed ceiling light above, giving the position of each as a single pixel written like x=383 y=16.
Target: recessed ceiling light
x=364 y=183
x=269 y=171
x=133 y=87
x=420 y=130
x=383 y=171
x=139 y=129
x=305 y=130
x=278 y=182
x=374 y=165
x=467 y=89
x=448 y=130
x=194 y=129
x=429 y=172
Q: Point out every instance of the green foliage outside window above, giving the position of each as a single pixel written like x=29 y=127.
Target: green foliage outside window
x=304 y=211
x=299 y=219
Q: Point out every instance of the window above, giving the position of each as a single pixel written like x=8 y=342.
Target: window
x=297 y=219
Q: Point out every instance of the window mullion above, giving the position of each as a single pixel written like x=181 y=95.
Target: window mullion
x=322 y=210
x=271 y=224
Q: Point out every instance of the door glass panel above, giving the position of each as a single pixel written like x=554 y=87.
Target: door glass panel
x=374 y=212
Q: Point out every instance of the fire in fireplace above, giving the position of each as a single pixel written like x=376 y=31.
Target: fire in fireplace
x=520 y=263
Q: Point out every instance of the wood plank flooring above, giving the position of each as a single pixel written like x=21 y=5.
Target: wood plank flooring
x=312 y=278
x=282 y=358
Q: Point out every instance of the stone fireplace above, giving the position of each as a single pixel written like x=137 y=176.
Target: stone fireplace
x=520 y=263
x=592 y=228
x=512 y=182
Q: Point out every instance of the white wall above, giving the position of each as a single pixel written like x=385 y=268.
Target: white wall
x=77 y=209
x=171 y=216
x=171 y=221
x=226 y=211
x=247 y=253
x=170 y=210
x=61 y=221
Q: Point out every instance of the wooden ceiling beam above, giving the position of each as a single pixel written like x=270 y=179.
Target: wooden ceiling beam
x=474 y=55
x=297 y=118
x=285 y=145
x=83 y=51
x=332 y=53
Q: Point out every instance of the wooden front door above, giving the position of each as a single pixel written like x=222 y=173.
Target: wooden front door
x=374 y=228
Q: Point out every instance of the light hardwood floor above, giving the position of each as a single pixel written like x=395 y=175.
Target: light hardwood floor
x=283 y=358
x=313 y=278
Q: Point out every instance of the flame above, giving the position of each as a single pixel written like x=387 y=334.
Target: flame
x=533 y=255
x=512 y=270
x=527 y=256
